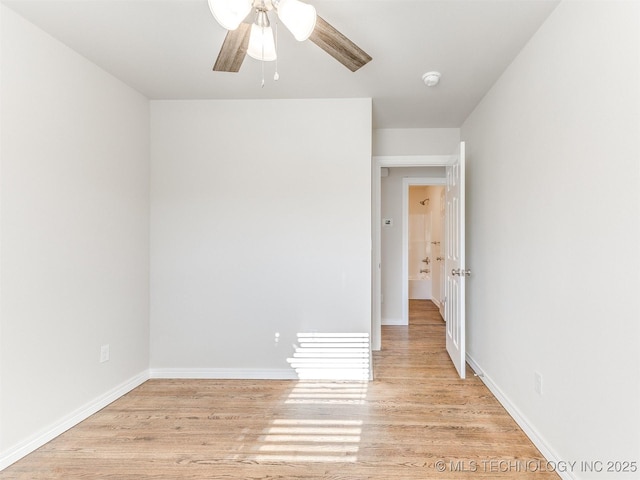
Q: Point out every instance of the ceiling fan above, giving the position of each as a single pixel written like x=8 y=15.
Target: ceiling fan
x=250 y=33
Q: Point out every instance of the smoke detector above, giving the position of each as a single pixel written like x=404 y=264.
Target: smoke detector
x=431 y=79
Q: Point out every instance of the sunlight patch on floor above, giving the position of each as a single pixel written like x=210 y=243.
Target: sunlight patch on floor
x=334 y=371
x=308 y=440
x=335 y=393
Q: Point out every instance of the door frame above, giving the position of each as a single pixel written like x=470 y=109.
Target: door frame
x=406 y=183
x=377 y=163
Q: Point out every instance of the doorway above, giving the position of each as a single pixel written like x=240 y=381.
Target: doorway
x=454 y=248
x=422 y=233
x=383 y=166
x=423 y=248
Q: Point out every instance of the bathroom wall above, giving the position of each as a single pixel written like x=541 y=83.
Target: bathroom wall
x=436 y=205
x=419 y=229
x=425 y=242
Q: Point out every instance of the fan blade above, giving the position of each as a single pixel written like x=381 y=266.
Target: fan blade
x=338 y=46
x=233 y=50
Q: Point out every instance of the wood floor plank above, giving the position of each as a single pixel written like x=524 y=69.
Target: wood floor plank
x=414 y=415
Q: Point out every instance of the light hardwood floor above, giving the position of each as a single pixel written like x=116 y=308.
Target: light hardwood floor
x=416 y=419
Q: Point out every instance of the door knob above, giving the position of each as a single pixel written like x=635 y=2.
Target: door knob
x=460 y=272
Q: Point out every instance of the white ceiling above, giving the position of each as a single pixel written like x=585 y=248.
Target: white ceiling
x=166 y=49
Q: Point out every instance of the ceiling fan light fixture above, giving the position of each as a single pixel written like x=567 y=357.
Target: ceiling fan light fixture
x=298 y=17
x=230 y=13
x=261 y=43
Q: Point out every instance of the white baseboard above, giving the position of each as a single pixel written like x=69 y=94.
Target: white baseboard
x=393 y=321
x=46 y=435
x=225 y=373
x=36 y=441
x=540 y=443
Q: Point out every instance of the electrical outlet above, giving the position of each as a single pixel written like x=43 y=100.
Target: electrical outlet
x=104 y=353
x=537 y=383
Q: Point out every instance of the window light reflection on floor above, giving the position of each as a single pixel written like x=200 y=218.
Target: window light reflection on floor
x=328 y=393
x=333 y=370
x=322 y=440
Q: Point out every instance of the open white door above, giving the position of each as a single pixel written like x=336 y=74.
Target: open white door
x=455 y=268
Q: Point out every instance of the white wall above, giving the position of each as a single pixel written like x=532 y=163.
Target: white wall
x=74 y=234
x=415 y=141
x=553 y=232
x=260 y=224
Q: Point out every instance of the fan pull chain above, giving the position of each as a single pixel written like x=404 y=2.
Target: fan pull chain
x=262 y=86
x=276 y=76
